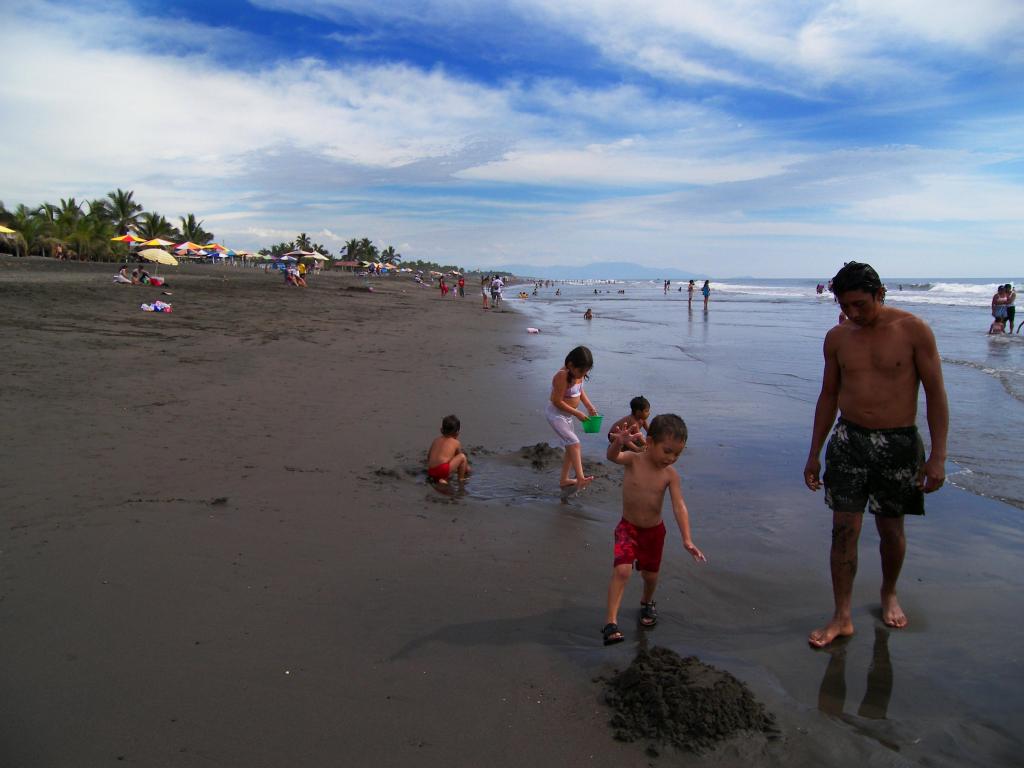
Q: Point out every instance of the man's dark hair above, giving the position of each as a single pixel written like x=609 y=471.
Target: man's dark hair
x=667 y=425
x=855 y=276
x=450 y=425
x=638 y=404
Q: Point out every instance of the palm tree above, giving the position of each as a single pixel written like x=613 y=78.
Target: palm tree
x=31 y=225
x=99 y=209
x=193 y=231
x=367 y=249
x=303 y=243
x=90 y=237
x=390 y=256
x=124 y=210
x=150 y=225
x=351 y=249
x=67 y=216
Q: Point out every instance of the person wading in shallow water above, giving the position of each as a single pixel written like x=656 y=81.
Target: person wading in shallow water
x=873 y=366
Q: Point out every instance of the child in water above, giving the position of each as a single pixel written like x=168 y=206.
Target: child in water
x=564 y=405
x=445 y=454
x=640 y=535
x=639 y=410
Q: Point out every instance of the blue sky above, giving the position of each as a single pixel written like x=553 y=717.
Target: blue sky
x=728 y=137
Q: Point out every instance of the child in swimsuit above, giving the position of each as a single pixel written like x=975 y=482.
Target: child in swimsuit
x=639 y=410
x=445 y=454
x=564 y=405
x=640 y=535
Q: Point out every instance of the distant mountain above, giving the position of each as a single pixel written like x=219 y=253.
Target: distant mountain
x=599 y=270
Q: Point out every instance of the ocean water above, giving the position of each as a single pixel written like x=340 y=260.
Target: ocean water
x=748 y=370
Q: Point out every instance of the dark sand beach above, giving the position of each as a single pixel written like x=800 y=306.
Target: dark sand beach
x=219 y=549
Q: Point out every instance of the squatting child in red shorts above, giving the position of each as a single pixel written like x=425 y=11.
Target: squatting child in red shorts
x=640 y=535
x=445 y=454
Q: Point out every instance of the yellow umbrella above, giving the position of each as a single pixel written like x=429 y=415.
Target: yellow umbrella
x=6 y=230
x=127 y=238
x=160 y=257
x=214 y=247
x=158 y=241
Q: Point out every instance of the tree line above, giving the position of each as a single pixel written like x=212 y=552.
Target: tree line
x=83 y=230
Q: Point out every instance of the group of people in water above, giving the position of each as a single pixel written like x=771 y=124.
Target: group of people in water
x=1004 y=310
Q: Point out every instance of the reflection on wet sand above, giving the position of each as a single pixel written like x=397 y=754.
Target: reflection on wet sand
x=875 y=704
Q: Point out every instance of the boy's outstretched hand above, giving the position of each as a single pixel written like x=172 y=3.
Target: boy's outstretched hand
x=696 y=553
x=623 y=436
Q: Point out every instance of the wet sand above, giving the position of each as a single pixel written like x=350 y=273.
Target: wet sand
x=219 y=550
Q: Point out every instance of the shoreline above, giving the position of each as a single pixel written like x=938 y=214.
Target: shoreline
x=334 y=607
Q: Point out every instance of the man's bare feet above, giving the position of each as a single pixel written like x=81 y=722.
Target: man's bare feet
x=892 y=614
x=819 y=638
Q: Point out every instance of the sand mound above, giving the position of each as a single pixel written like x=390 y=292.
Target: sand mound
x=667 y=699
x=541 y=455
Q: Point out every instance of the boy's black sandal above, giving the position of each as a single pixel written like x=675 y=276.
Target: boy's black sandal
x=648 y=614
x=611 y=634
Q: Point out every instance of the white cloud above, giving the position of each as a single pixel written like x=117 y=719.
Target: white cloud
x=457 y=169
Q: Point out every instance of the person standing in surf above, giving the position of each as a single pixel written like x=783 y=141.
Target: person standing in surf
x=564 y=405
x=874 y=365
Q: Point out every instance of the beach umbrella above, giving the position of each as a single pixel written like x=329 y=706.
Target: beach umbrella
x=158 y=256
x=156 y=241
x=214 y=247
x=6 y=230
x=188 y=245
x=299 y=253
x=129 y=238
x=316 y=257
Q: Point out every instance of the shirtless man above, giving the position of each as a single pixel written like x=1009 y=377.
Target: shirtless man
x=873 y=366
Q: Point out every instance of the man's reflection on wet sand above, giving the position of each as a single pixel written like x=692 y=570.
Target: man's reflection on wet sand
x=832 y=694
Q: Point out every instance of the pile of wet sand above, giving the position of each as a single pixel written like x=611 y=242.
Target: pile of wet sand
x=667 y=699
x=541 y=456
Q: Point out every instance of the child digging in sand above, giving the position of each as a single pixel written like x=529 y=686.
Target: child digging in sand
x=639 y=410
x=566 y=395
x=445 y=455
x=640 y=535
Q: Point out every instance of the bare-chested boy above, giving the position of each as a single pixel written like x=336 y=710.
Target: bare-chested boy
x=873 y=366
x=639 y=411
x=445 y=455
x=640 y=535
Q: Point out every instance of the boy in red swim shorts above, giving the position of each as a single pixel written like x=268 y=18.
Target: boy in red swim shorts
x=640 y=535
x=445 y=454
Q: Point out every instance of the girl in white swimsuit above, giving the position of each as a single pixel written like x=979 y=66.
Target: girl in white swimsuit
x=566 y=395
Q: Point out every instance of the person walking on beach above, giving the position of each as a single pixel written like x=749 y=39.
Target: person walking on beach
x=563 y=406
x=874 y=365
x=706 y=292
x=640 y=535
x=485 y=283
x=689 y=294
x=496 y=285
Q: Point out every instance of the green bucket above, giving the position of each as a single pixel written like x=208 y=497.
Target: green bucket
x=593 y=424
